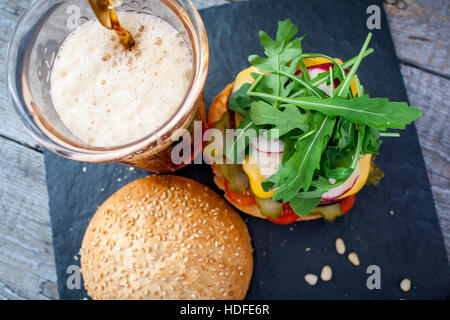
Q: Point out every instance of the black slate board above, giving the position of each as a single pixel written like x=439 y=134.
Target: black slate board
x=406 y=244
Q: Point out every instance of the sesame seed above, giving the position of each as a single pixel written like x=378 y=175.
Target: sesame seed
x=340 y=246
x=311 y=279
x=405 y=285
x=353 y=258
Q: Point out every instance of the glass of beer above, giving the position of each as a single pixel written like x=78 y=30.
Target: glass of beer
x=82 y=95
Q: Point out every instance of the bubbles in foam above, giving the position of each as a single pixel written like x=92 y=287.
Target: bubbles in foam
x=109 y=96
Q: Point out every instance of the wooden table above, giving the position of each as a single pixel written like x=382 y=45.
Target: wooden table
x=420 y=30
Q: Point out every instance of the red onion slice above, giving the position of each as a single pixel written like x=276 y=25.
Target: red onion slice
x=343 y=188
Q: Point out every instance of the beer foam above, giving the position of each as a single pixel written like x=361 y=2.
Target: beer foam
x=108 y=96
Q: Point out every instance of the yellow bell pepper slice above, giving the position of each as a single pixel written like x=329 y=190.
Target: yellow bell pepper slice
x=243 y=77
x=364 y=168
x=255 y=178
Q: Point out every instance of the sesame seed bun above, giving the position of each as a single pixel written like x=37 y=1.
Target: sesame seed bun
x=218 y=107
x=166 y=237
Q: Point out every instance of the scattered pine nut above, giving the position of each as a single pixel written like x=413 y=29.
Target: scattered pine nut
x=391 y=212
x=340 y=246
x=353 y=258
x=405 y=285
x=311 y=279
x=308 y=249
x=326 y=273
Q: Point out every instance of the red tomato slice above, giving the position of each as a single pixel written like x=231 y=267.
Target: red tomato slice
x=347 y=203
x=240 y=198
x=287 y=216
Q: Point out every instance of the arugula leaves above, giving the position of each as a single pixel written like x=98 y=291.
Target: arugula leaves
x=378 y=113
x=284 y=120
x=303 y=207
x=240 y=101
x=235 y=148
x=298 y=171
x=323 y=136
x=279 y=51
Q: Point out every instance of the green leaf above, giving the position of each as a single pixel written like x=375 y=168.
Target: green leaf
x=339 y=173
x=336 y=164
x=273 y=180
x=239 y=101
x=371 y=142
x=361 y=130
x=379 y=113
x=346 y=134
x=302 y=206
x=285 y=120
x=344 y=87
x=286 y=87
x=318 y=187
x=340 y=70
x=236 y=145
x=281 y=50
x=323 y=77
x=298 y=171
x=289 y=147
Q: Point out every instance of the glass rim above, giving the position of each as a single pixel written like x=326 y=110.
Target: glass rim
x=50 y=138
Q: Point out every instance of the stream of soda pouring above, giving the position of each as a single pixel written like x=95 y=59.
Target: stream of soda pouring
x=107 y=15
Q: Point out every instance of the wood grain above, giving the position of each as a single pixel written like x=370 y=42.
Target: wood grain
x=10 y=127
x=420 y=31
x=27 y=267
x=432 y=95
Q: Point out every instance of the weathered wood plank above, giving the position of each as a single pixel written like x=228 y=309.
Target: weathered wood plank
x=10 y=127
x=420 y=29
x=431 y=94
x=27 y=265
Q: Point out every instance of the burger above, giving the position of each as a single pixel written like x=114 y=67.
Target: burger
x=299 y=132
x=166 y=237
